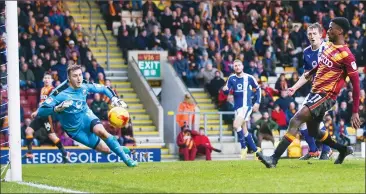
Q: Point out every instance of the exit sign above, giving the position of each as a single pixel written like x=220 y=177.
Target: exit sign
x=149 y=65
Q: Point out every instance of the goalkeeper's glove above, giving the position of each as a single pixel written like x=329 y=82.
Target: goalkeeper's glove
x=116 y=102
x=61 y=107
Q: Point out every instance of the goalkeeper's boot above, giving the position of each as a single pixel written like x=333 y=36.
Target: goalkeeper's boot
x=243 y=153
x=131 y=163
x=66 y=158
x=268 y=161
x=342 y=155
x=326 y=155
x=310 y=155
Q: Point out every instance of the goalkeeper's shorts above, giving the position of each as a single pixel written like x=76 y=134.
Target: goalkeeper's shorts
x=84 y=134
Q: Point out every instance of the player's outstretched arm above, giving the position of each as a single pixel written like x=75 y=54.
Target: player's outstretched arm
x=50 y=106
x=98 y=88
x=302 y=81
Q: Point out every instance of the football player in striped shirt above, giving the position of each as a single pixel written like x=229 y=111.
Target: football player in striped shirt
x=335 y=64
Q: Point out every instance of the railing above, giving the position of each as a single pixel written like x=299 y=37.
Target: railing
x=174 y=114
x=106 y=39
x=90 y=14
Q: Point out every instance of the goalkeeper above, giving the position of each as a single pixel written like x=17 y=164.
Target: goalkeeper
x=68 y=102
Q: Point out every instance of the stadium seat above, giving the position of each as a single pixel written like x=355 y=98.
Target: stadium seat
x=351 y=131
x=290 y=69
x=24 y=103
x=272 y=80
x=359 y=134
x=279 y=70
x=126 y=14
x=23 y=93
x=27 y=112
x=136 y=14
x=299 y=100
x=32 y=92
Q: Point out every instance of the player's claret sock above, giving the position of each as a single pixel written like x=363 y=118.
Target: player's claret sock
x=112 y=143
x=342 y=149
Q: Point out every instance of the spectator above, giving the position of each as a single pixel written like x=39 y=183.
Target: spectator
x=71 y=48
x=108 y=83
x=26 y=77
x=186 y=106
x=187 y=147
x=228 y=106
x=99 y=107
x=205 y=60
x=59 y=70
x=264 y=127
x=342 y=134
x=180 y=40
x=266 y=103
x=290 y=112
x=32 y=50
x=208 y=73
x=282 y=83
x=194 y=40
x=181 y=66
x=38 y=72
x=228 y=65
x=269 y=64
x=101 y=79
x=168 y=41
x=95 y=70
x=344 y=114
x=125 y=43
x=41 y=40
x=155 y=38
x=27 y=122
x=127 y=135
x=203 y=144
x=284 y=100
x=279 y=117
x=214 y=86
x=142 y=42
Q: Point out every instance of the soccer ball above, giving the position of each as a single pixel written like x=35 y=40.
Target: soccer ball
x=118 y=117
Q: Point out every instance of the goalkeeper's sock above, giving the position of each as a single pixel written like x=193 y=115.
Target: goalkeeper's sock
x=29 y=139
x=113 y=144
x=310 y=140
x=241 y=138
x=249 y=139
x=60 y=147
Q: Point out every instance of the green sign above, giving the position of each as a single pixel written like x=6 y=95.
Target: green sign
x=149 y=65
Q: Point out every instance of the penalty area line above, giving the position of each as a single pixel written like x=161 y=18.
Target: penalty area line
x=42 y=186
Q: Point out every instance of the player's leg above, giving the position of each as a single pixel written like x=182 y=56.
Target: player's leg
x=56 y=141
x=323 y=136
x=29 y=131
x=248 y=137
x=300 y=117
x=313 y=149
x=326 y=151
x=111 y=142
x=237 y=126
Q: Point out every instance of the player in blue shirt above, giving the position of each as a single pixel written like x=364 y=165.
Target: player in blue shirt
x=68 y=102
x=242 y=85
x=311 y=55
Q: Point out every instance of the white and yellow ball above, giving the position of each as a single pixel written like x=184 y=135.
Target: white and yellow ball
x=118 y=117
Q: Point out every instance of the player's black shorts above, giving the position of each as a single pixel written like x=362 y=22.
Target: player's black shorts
x=42 y=122
x=319 y=104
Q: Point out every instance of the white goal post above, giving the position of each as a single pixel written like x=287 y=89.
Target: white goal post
x=11 y=24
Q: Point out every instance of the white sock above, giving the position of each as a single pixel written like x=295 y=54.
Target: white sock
x=239 y=129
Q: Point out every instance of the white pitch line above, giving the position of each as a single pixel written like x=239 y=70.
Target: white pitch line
x=41 y=186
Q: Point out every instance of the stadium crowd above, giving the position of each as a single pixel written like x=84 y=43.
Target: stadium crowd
x=203 y=39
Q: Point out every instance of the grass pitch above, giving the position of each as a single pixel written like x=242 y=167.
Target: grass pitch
x=200 y=176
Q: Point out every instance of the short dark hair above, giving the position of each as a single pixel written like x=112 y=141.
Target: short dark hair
x=71 y=68
x=343 y=23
